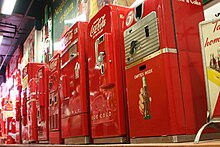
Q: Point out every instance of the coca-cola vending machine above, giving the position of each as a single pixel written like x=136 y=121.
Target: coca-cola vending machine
x=164 y=72
x=32 y=111
x=10 y=129
x=42 y=95
x=18 y=105
x=54 y=101
x=106 y=75
x=28 y=73
x=74 y=86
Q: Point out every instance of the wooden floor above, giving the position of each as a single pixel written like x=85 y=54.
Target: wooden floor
x=208 y=143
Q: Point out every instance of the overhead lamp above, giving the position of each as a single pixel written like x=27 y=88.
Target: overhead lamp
x=8 y=6
x=1 y=38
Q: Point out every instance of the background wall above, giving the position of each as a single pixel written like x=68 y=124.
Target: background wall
x=67 y=12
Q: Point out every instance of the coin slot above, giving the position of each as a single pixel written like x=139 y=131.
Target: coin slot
x=50 y=101
x=101 y=39
x=55 y=99
x=146 y=31
x=38 y=113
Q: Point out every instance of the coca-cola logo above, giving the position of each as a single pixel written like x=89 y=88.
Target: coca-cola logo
x=193 y=2
x=97 y=26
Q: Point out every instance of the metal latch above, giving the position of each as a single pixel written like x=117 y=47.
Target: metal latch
x=77 y=67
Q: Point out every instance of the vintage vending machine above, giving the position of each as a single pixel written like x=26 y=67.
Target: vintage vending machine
x=164 y=72
x=10 y=128
x=28 y=73
x=32 y=111
x=74 y=86
x=106 y=75
x=3 y=122
x=18 y=106
x=54 y=101
x=42 y=95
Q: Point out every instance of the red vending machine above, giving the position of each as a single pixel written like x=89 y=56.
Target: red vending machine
x=32 y=111
x=28 y=73
x=42 y=92
x=9 y=130
x=18 y=106
x=106 y=75
x=54 y=101
x=74 y=97
x=164 y=72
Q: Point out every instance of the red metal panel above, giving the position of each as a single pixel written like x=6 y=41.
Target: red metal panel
x=165 y=97
x=74 y=85
x=106 y=73
x=194 y=98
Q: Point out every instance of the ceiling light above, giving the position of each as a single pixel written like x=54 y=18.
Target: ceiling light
x=1 y=38
x=8 y=6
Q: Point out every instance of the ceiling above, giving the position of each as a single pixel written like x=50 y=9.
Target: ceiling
x=16 y=27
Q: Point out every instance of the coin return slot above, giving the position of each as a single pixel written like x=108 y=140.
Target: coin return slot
x=134 y=46
x=142 y=67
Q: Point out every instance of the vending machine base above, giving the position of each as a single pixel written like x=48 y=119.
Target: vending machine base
x=77 y=140
x=44 y=142
x=55 y=137
x=111 y=140
x=173 y=139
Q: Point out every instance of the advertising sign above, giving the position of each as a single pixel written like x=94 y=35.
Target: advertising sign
x=210 y=42
x=212 y=12
x=14 y=60
x=28 y=53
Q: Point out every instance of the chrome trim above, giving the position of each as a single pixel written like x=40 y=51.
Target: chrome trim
x=143 y=45
x=157 y=53
x=121 y=139
x=77 y=140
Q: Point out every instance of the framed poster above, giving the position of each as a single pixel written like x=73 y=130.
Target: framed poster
x=210 y=44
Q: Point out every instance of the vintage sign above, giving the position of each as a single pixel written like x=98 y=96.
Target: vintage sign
x=210 y=42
